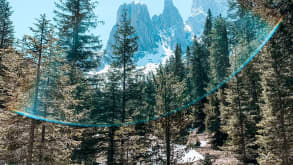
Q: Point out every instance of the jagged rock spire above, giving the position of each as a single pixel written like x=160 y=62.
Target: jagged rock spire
x=168 y=3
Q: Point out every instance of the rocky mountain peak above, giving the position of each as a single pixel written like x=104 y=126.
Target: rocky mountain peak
x=139 y=17
x=199 y=12
x=168 y=3
x=170 y=25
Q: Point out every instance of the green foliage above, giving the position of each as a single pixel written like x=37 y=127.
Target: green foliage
x=54 y=70
x=123 y=51
x=179 y=66
x=123 y=63
x=208 y=29
x=74 y=19
x=169 y=93
x=241 y=113
x=219 y=53
x=6 y=26
x=218 y=70
x=276 y=127
x=199 y=74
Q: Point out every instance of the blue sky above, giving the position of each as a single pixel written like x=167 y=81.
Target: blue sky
x=25 y=12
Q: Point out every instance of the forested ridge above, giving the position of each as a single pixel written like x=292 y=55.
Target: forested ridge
x=48 y=72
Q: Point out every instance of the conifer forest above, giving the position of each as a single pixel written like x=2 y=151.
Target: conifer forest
x=70 y=97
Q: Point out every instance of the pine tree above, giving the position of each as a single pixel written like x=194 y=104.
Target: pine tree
x=74 y=19
x=207 y=29
x=218 y=70
x=241 y=114
x=15 y=83
x=207 y=40
x=198 y=70
x=6 y=27
x=36 y=46
x=219 y=53
x=113 y=98
x=275 y=137
x=19 y=78
x=169 y=97
x=179 y=66
x=6 y=36
x=188 y=73
x=149 y=92
x=123 y=51
x=240 y=123
x=51 y=92
x=199 y=81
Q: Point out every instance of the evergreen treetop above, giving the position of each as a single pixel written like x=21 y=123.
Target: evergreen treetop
x=6 y=26
x=75 y=19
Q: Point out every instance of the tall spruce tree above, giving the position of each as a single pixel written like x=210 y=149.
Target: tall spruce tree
x=276 y=127
x=51 y=90
x=207 y=40
x=188 y=74
x=242 y=113
x=113 y=100
x=199 y=81
x=218 y=70
x=6 y=27
x=179 y=66
x=219 y=53
x=207 y=29
x=123 y=51
x=75 y=18
x=15 y=82
x=198 y=69
x=6 y=37
x=169 y=93
x=37 y=48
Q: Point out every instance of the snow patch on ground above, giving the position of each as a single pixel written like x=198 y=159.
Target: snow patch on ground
x=186 y=156
x=191 y=156
x=203 y=143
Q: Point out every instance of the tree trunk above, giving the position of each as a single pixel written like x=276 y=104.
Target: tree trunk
x=168 y=143
x=31 y=142
x=42 y=143
x=241 y=120
x=111 y=150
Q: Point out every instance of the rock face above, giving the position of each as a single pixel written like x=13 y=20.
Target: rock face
x=165 y=30
x=170 y=25
x=199 y=12
x=140 y=18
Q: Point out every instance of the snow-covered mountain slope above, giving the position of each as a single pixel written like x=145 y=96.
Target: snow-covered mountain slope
x=170 y=25
x=167 y=27
x=199 y=12
x=159 y=35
